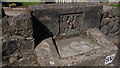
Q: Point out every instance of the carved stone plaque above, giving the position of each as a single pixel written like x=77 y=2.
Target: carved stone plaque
x=70 y=24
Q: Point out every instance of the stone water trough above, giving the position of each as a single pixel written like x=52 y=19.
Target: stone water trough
x=71 y=36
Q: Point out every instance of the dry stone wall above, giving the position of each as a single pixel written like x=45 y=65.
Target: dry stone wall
x=110 y=24
x=19 y=30
x=17 y=39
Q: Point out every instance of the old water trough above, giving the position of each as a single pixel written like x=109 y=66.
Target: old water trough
x=68 y=35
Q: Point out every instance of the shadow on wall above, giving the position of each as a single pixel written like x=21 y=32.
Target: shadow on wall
x=100 y=26
x=3 y=13
x=40 y=32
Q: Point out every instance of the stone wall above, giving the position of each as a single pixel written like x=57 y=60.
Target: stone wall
x=18 y=29
x=110 y=24
x=17 y=39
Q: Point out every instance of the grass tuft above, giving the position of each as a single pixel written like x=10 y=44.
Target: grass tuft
x=26 y=4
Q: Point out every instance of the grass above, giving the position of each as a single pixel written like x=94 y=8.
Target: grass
x=92 y=39
x=26 y=4
x=104 y=3
x=114 y=5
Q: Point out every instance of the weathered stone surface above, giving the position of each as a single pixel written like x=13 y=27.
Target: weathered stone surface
x=27 y=58
x=117 y=33
x=113 y=26
x=63 y=17
x=110 y=16
x=115 y=12
x=112 y=36
x=104 y=29
x=24 y=25
x=114 y=29
x=13 y=43
x=111 y=29
x=105 y=21
x=76 y=45
x=48 y=54
x=14 y=11
x=9 y=47
x=12 y=60
x=105 y=14
x=110 y=26
x=27 y=44
x=21 y=25
x=8 y=26
x=25 y=62
x=20 y=58
x=5 y=61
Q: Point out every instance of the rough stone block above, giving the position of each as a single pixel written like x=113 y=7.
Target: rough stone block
x=24 y=25
x=20 y=26
x=13 y=43
x=9 y=47
x=27 y=44
x=8 y=26
x=115 y=28
x=94 y=50
x=104 y=29
x=69 y=18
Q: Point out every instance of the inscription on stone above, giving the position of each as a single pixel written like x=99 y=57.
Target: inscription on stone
x=70 y=24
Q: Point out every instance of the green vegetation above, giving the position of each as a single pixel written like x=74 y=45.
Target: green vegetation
x=12 y=5
x=26 y=4
x=114 y=5
x=104 y=3
x=92 y=39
